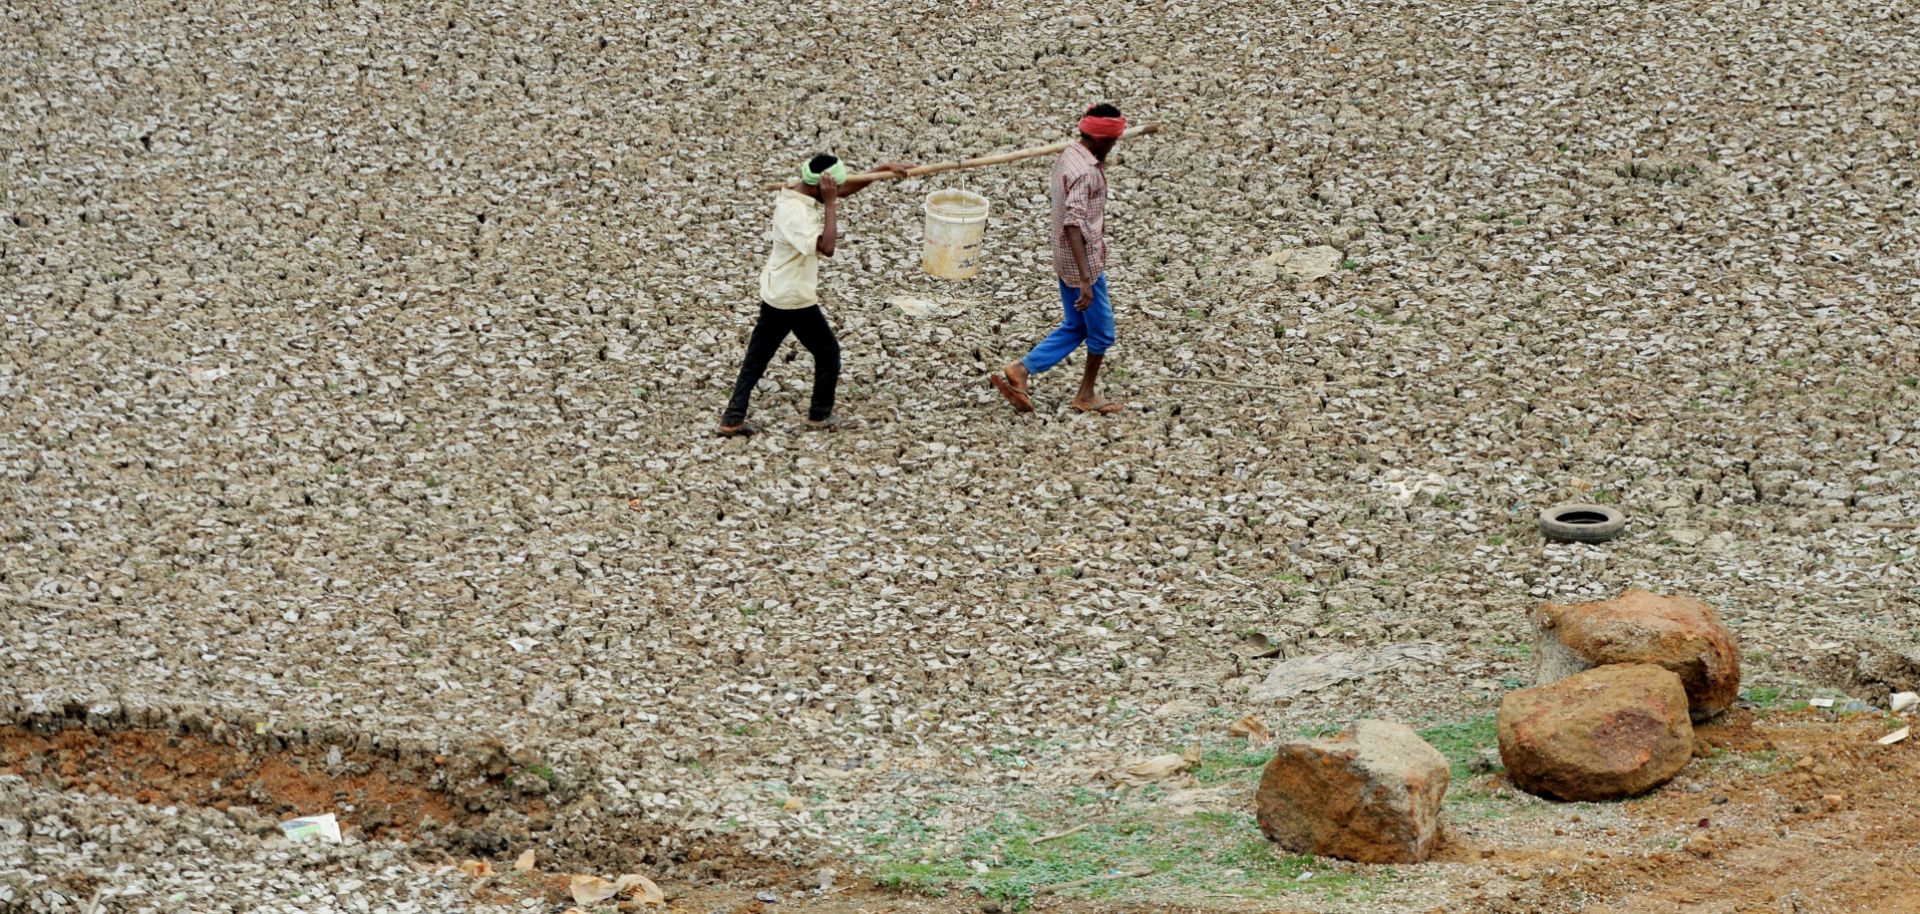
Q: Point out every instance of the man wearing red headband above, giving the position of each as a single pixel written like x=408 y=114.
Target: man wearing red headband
x=1079 y=192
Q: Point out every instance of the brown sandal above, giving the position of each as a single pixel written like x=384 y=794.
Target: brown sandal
x=1020 y=401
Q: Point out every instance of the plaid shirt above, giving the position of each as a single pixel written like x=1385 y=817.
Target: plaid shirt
x=1079 y=191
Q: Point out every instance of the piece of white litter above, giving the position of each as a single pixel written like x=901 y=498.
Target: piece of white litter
x=1820 y=702
x=1304 y=876
x=916 y=307
x=322 y=827
x=523 y=645
x=1901 y=701
x=1895 y=736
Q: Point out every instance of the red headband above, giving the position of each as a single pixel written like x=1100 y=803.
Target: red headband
x=1101 y=128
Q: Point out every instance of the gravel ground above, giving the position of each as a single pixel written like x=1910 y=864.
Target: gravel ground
x=63 y=851
x=358 y=368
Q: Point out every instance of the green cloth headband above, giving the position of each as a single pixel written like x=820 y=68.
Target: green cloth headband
x=838 y=170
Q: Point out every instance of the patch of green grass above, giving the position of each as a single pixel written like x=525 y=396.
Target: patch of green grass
x=1513 y=650
x=1205 y=852
x=1446 y=502
x=1218 y=765
x=1462 y=742
x=1766 y=696
x=930 y=878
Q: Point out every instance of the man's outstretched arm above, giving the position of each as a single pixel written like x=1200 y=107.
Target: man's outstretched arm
x=898 y=168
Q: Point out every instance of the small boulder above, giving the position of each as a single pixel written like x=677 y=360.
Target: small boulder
x=1371 y=794
x=1680 y=634
x=1609 y=732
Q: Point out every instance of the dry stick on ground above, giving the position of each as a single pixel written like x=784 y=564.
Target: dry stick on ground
x=1891 y=526
x=1060 y=834
x=980 y=162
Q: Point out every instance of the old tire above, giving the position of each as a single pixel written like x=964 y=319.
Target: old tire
x=1577 y=523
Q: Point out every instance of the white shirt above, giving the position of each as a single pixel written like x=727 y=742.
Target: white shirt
x=791 y=278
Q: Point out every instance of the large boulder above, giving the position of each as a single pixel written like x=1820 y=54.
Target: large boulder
x=1682 y=635
x=1609 y=732
x=1370 y=794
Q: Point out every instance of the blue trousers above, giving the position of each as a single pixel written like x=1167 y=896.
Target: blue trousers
x=1093 y=326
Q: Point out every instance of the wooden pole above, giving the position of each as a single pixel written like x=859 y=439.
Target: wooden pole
x=979 y=162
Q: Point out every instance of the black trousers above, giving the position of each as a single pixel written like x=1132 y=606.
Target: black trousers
x=809 y=325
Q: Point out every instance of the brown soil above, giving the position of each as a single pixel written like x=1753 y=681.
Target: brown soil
x=165 y=769
x=1814 y=817
x=378 y=797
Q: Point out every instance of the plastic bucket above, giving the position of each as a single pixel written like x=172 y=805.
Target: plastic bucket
x=956 y=230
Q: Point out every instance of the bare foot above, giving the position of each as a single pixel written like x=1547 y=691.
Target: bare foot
x=1098 y=404
x=1021 y=402
x=1017 y=375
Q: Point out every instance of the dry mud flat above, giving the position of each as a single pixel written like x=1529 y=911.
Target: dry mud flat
x=356 y=365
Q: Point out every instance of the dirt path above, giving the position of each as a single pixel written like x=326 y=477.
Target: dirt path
x=1812 y=816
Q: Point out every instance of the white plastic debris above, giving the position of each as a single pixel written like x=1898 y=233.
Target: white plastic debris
x=1820 y=702
x=323 y=827
x=1902 y=701
x=916 y=307
x=1895 y=736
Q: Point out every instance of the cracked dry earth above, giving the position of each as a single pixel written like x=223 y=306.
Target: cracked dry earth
x=358 y=365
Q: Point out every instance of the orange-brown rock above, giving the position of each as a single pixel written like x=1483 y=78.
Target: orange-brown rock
x=1609 y=732
x=1683 y=635
x=1370 y=794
